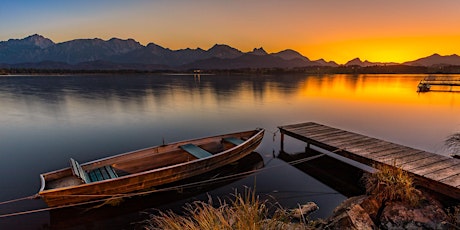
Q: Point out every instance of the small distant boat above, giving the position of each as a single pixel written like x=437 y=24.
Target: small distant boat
x=423 y=87
x=144 y=169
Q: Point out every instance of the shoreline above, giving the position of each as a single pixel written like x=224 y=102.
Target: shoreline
x=394 y=69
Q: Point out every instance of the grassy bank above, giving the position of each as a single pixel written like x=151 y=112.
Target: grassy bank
x=244 y=211
x=389 y=185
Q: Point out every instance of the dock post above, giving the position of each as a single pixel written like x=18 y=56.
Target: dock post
x=307 y=148
x=282 y=141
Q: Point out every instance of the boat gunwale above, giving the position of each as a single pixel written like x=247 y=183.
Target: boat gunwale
x=256 y=134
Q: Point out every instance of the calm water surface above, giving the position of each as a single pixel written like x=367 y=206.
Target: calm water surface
x=45 y=120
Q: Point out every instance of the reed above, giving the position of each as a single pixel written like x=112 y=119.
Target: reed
x=245 y=211
x=391 y=183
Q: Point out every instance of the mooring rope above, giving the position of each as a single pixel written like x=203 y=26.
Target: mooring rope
x=19 y=199
x=118 y=196
x=274 y=133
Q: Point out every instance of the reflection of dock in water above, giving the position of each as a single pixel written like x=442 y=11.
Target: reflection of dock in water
x=432 y=171
x=131 y=209
x=336 y=174
x=426 y=84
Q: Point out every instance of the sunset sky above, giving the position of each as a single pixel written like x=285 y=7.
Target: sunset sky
x=390 y=30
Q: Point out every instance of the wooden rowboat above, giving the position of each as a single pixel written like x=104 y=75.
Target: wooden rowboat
x=144 y=169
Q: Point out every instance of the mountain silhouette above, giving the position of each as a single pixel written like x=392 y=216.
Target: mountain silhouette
x=366 y=63
x=36 y=51
x=436 y=60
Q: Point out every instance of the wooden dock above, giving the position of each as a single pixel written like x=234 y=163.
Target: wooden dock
x=425 y=84
x=436 y=172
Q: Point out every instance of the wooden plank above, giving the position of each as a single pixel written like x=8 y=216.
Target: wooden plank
x=92 y=176
x=111 y=171
x=78 y=171
x=445 y=172
x=319 y=133
x=413 y=158
x=306 y=124
x=382 y=153
x=326 y=136
x=362 y=148
x=417 y=154
x=74 y=166
x=312 y=127
x=453 y=181
x=336 y=137
x=312 y=135
x=421 y=163
x=392 y=159
x=196 y=151
x=378 y=148
x=105 y=174
x=433 y=167
x=234 y=140
x=357 y=144
x=345 y=139
x=366 y=149
x=98 y=174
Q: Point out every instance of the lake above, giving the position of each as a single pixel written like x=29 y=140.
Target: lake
x=45 y=120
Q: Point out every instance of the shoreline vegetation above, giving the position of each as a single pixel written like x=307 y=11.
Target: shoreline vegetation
x=391 y=202
x=356 y=69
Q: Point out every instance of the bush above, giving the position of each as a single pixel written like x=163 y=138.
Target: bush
x=391 y=183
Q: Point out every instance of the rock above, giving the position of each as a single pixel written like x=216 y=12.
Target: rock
x=360 y=213
x=351 y=214
x=428 y=215
x=366 y=202
x=353 y=218
x=303 y=210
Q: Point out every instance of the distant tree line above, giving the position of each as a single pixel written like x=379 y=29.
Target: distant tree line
x=378 y=69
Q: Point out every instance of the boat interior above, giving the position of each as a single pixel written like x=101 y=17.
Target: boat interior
x=140 y=161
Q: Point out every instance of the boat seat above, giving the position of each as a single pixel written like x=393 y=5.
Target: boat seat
x=234 y=140
x=102 y=173
x=195 y=151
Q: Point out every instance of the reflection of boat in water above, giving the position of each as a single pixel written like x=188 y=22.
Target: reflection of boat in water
x=143 y=169
x=131 y=209
x=336 y=174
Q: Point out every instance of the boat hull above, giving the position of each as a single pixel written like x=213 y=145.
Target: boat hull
x=130 y=184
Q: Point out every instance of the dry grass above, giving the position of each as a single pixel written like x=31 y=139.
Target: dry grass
x=391 y=183
x=245 y=211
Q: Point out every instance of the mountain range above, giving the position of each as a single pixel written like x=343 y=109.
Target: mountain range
x=36 y=51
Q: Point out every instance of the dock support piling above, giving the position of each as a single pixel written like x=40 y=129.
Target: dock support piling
x=282 y=141
x=307 y=148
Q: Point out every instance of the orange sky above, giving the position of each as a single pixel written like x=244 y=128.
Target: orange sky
x=334 y=30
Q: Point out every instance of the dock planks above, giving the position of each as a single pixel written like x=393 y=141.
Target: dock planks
x=436 y=172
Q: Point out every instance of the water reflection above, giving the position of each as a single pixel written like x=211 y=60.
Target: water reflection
x=329 y=171
x=45 y=120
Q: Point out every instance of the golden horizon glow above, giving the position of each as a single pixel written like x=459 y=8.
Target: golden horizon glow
x=396 y=90
x=397 y=50
x=378 y=31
